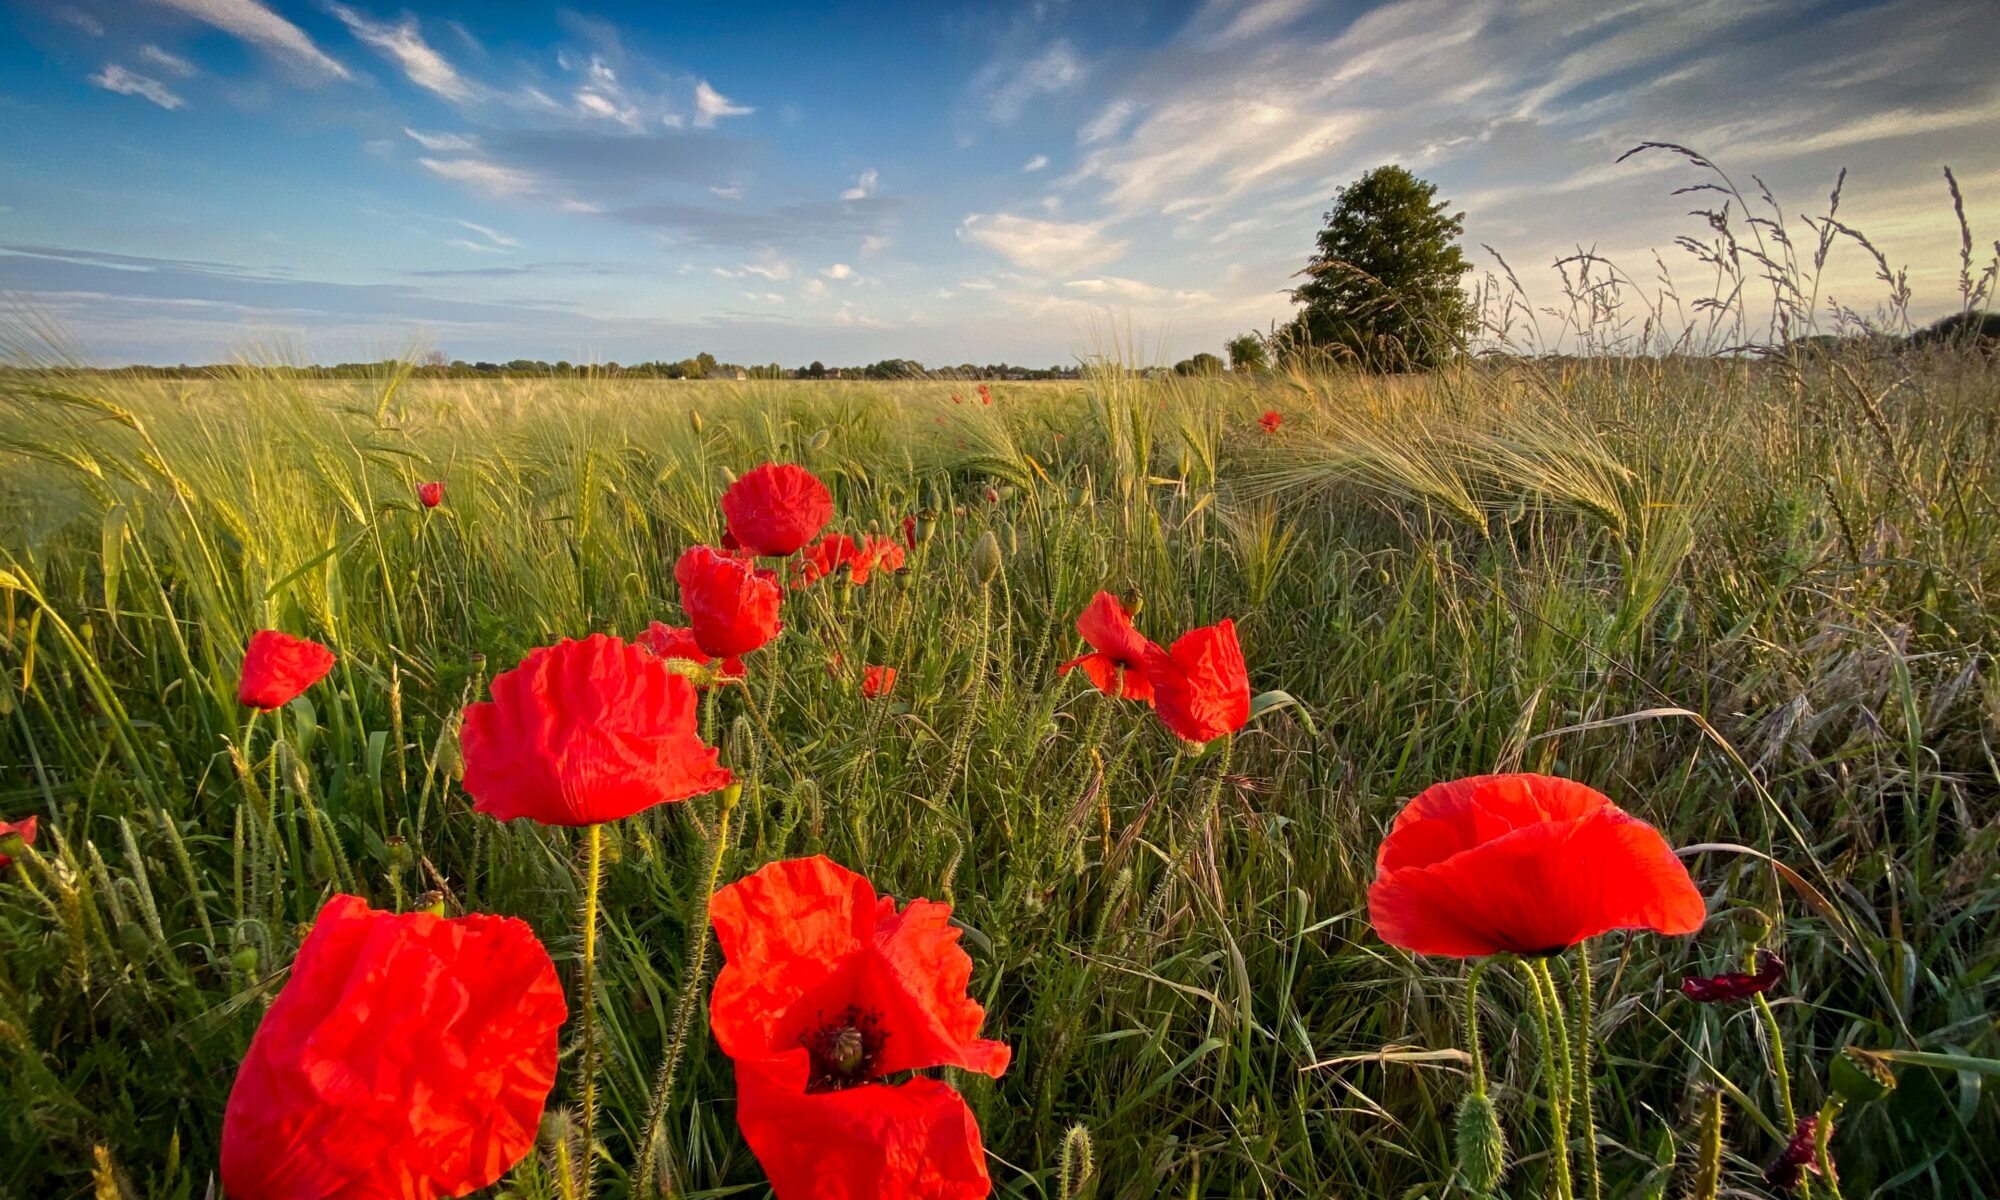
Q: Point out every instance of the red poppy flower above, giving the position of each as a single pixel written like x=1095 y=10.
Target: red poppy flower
x=1523 y=864
x=1270 y=421
x=776 y=508
x=825 y=991
x=24 y=828
x=985 y=394
x=677 y=642
x=732 y=604
x=584 y=732
x=956 y=399
x=277 y=667
x=1118 y=666
x=881 y=554
x=1736 y=985
x=910 y=532
x=432 y=494
x=1201 y=689
x=877 y=681
x=1801 y=1154
x=407 y=1056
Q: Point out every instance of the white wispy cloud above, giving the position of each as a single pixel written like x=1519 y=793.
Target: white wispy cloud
x=1042 y=245
x=864 y=185
x=114 y=78
x=838 y=271
x=476 y=247
x=258 y=25
x=711 y=106
x=440 y=142
x=876 y=243
x=492 y=235
x=1036 y=163
x=490 y=177
x=402 y=42
x=172 y=64
x=1133 y=289
x=1010 y=86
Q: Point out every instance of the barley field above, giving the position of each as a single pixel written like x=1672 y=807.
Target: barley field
x=1751 y=600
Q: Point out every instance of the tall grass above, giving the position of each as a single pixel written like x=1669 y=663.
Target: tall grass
x=1754 y=601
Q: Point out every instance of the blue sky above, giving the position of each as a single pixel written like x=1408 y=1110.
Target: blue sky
x=193 y=180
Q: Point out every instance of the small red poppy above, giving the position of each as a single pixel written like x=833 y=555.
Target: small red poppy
x=432 y=494
x=776 y=508
x=910 y=532
x=677 y=642
x=826 y=991
x=407 y=1055
x=882 y=554
x=956 y=399
x=23 y=828
x=1201 y=688
x=584 y=732
x=985 y=394
x=1118 y=666
x=1270 y=421
x=992 y=495
x=732 y=604
x=1736 y=985
x=877 y=681
x=277 y=667
x=1523 y=864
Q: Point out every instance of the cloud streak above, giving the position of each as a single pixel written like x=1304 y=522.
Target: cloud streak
x=259 y=26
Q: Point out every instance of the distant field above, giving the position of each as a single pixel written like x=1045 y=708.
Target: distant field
x=1754 y=603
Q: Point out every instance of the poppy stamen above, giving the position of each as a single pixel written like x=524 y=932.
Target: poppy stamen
x=844 y=1051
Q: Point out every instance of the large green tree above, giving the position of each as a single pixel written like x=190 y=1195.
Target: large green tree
x=1383 y=286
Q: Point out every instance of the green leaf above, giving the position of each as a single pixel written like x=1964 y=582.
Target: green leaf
x=1271 y=701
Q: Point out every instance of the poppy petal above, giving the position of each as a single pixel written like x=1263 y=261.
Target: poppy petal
x=1112 y=679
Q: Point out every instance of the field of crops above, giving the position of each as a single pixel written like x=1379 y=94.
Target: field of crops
x=1752 y=603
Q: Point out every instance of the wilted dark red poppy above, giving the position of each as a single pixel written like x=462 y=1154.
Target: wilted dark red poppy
x=877 y=681
x=1801 y=1154
x=827 y=990
x=1736 y=985
x=676 y=642
x=1523 y=864
x=432 y=494
x=23 y=829
x=1270 y=421
x=584 y=732
x=407 y=1056
x=277 y=667
x=1201 y=688
x=1118 y=664
x=732 y=604
x=776 y=508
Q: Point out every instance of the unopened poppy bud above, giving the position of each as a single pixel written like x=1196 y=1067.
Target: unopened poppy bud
x=244 y=959
x=694 y=420
x=1007 y=491
x=741 y=745
x=1859 y=1076
x=819 y=440
x=133 y=938
x=1482 y=1147
x=730 y=796
x=1013 y=537
x=728 y=477
x=985 y=558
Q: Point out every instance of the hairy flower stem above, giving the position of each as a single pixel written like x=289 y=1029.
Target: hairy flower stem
x=645 y=1179
x=593 y=872
x=1778 y=1068
x=1558 y=1111
x=1822 y=1152
x=1472 y=1027
x=1580 y=1096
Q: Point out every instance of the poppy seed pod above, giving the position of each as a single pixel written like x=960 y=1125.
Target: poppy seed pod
x=985 y=558
x=1859 y=1076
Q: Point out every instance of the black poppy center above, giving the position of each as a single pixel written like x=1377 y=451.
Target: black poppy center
x=845 y=1050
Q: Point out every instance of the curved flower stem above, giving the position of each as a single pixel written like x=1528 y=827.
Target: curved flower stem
x=1472 y=1027
x=1558 y=1111
x=1784 y=1075
x=1580 y=1096
x=643 y=1179
x=593 y=870
x=1822 y=1136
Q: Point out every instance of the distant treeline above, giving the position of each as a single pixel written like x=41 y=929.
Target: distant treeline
x=702 y=366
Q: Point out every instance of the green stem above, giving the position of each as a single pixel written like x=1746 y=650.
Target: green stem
x=1778 y=1067
x=1822 y=1136
x=1587 y=1111
x=663 y=1084
x=1472 y=1027
x=1558 y=1111
x=593 y=870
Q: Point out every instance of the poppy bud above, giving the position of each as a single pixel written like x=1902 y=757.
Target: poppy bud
x=1013 y=539
x=740 y=744
x=1860 y=1076
x=992 y=495
x=1482 y=1147
x=694 y=420
x=819 y=440
x=985 y=558
x=728 y=477
x=244 y=959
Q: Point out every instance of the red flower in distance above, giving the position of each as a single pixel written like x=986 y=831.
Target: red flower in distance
x=776 y=508
x=408 y=1056
x=985 y=394
x=732 y=604
x=1523 y=864
x=24 y=829
x=1270 y=421
x=882 y=553
x=677 y=642
x=877 y=681
x=1736 y=985
x=584 y=732
x=1201 y=689
x=826 y=990
x=836 y=550
x=277 y=667
x=1118 y=664
x=432 y=494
